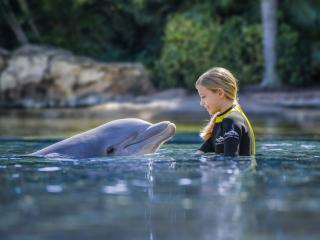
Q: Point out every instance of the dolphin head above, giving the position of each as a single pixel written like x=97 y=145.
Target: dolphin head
x=128 y=136
x=135 y=136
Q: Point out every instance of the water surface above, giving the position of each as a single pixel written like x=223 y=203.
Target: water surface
x=172 y=194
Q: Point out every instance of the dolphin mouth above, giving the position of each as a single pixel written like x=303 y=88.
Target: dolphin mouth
x=156 y=134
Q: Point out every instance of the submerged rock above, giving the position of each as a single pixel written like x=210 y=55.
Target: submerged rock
x=39 y=76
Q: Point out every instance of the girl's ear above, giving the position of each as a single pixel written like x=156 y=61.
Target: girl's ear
x=220 y=92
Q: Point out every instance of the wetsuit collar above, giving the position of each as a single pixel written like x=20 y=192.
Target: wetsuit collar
x=232 y=106
x=221 y=116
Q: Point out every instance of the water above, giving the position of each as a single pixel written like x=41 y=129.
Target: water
x=172 y=194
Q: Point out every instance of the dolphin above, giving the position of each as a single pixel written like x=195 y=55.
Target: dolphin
x=129 y=136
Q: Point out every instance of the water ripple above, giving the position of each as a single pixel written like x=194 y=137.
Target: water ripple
x=49 y=169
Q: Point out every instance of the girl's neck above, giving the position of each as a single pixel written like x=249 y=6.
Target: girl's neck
x=225 y=105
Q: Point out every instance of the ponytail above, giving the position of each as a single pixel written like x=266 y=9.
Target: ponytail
x=206 y=132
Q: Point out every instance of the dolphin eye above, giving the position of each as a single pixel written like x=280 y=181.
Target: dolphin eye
x=110 y=150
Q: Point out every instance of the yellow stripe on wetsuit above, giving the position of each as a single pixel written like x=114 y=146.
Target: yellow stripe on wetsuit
x=239 y=109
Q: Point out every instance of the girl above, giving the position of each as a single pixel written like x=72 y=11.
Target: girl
x=229 y=131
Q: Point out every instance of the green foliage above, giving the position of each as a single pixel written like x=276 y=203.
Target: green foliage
x=188 y=45
x=240 y=50
x=72 y=25
x=177 y=40
x=303 y=14
x=294 y=62
x=109 y=30
x=193 y=44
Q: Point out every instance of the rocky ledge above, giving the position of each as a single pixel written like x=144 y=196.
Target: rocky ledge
x=41 y=76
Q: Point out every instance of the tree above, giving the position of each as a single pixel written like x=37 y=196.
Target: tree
x=269 y=24
x=26 y=11
x=10 y=17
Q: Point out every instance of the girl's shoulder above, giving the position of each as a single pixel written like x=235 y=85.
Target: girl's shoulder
x=234 y=117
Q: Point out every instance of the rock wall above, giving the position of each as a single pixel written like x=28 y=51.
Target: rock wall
x=40 y=76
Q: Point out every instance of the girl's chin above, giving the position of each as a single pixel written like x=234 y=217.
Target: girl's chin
x=212 y=112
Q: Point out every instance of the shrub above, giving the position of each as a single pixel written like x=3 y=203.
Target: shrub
x=189 y=42
x=294 y=57
x=194 y=43
x=240 y=50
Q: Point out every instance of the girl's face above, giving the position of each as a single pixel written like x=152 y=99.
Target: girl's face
x=210 y=100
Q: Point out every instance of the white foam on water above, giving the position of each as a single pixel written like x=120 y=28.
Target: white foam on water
x=275 y=149
x=119 y=188
x=276 y=144
x=307 y=146
x=15 y=175
x=49 y=169
x=185 y=181
x=54 y=188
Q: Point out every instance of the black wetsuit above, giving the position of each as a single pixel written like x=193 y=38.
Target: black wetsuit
x=232 y=134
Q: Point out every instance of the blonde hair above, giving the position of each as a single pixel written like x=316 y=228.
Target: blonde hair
x=213 y=79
